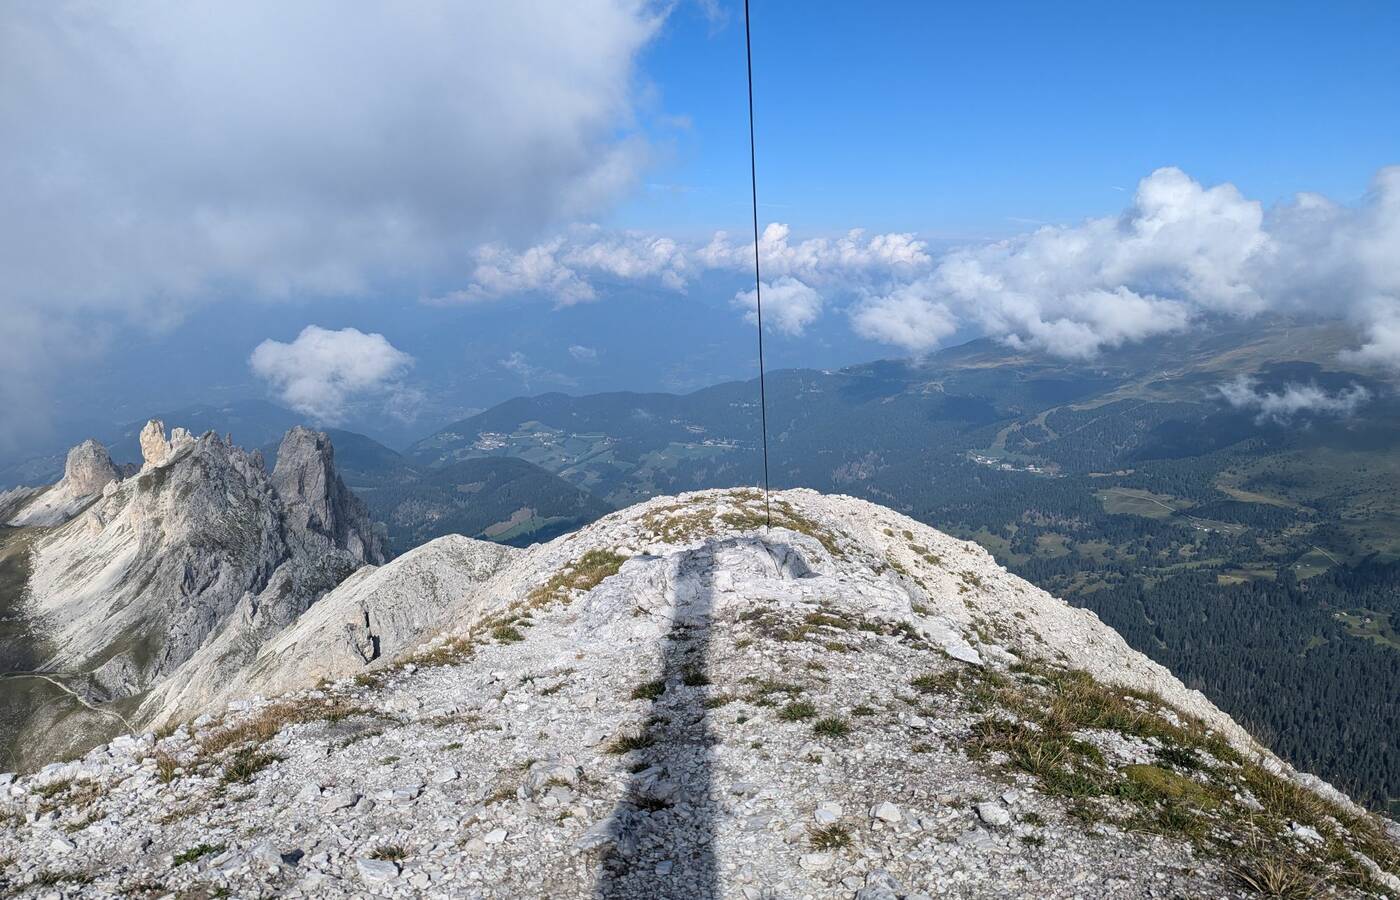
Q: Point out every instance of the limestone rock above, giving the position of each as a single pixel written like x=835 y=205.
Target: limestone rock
x=317 y=503
x=190 y=567
x=88 y=473
x=155 y=449
x=89 y=468
x=993 y=814
x=610 y=714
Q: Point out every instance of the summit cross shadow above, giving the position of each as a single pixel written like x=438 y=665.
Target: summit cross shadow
x=665 y=823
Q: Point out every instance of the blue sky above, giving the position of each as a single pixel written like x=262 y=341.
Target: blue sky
x=973 y=119
x=422 y=213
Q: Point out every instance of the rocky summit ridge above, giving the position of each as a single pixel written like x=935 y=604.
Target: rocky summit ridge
x=185 y=566
x=678 y=701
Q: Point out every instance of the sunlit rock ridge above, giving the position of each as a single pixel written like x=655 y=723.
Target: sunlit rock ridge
x=187 y=565
x=677 y=701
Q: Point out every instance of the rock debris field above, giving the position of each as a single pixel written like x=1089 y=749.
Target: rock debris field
x=679 y=702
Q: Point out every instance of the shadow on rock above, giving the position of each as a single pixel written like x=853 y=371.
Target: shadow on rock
x=661 y=835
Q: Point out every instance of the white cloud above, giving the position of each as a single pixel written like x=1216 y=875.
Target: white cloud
x=633 y=256
x=159 y=154
x=1180 y=252
x=907 y=317
x=564 y=268
x=819 y=260
x=1181 y=249
x=788 y=305
x=573 y=267
x=322 y=371
x=1382 y=344
x=1294 y=399
x=500 y=272
x=583 y=354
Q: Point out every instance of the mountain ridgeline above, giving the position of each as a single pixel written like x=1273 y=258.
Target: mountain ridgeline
x=676 y=702
x=200 y=551
x=129 y=592
x=1133 y=484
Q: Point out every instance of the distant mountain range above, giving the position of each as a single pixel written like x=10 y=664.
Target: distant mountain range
x=506 y=500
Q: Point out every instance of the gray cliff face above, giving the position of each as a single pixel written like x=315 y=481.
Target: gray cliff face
x=316 y=503
x=200 y=552
x=87 y=472
x=89 y=469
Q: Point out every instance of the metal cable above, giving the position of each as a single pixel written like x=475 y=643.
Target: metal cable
x=757 y=280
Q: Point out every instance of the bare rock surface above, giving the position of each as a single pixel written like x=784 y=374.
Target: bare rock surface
x=86 y=473
x=317 y=505
x=185 y=568
x=375 y=614
x=679 y=702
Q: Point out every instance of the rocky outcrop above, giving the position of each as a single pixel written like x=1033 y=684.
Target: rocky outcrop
x=678 y=702
x=89 y=469
x=376 y=614
x=155 y=449
x=316 y=503
x=86 y=473
x=200 y=556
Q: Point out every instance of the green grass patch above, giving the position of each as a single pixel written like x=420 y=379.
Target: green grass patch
x=198 y=851
x=832 y=727
x=796 y=711
x=650 y=690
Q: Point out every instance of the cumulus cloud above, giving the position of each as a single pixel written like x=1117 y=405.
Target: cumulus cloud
x=1292 y=400
x=1181 y=251
x=500 y=272
x=908 y=317
x=572 y=268
x=322 y=371
x=788 y=305
x=158 y=154
x=583 y=354
x=564 y=269
x=1382 y=344
x=819 y=260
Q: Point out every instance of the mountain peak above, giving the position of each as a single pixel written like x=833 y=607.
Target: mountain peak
x=155 y=449
x=191 y=562
x=87 y=472
x=316 y=498
x=89 y=468
x=678 y=701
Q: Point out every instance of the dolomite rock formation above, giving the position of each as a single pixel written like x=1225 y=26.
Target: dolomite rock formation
x=89 y=469
x=86 y=473
x=200 y=550
x=318 y=506
x=677 y=702
x=155 y=449
x=376 y=613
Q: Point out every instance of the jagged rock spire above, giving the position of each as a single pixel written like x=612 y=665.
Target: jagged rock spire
x=316 y=501
x=155 y=449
